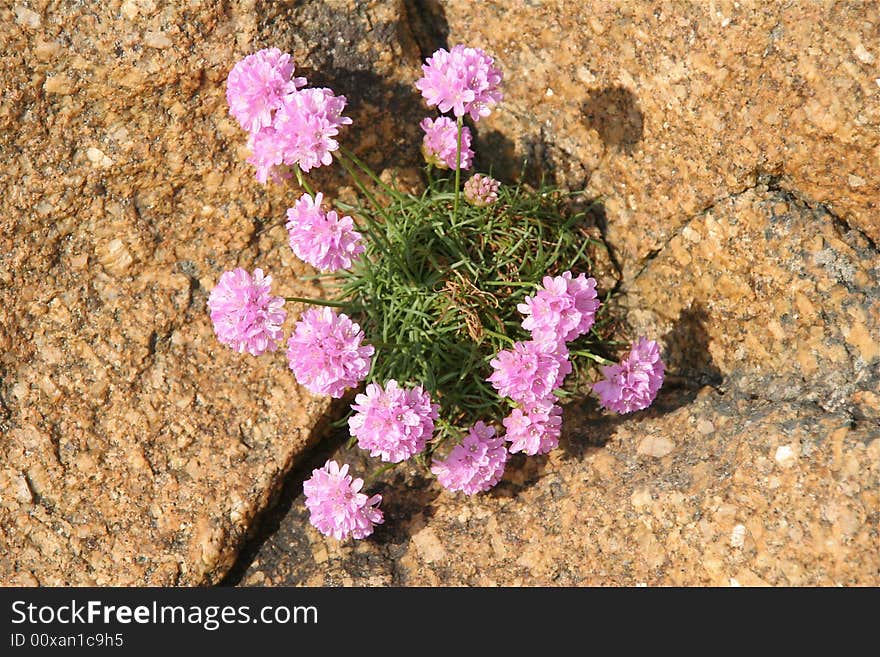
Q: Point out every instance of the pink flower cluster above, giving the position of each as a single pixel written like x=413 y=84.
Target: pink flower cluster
x=632 y=384
x=245 y=314
x=464 y=80
x=325 y=352
x=322 y=238
x=563 y=309
x=480 y=190
x=287 y=125
x=559 y=312
x=534 y=428
x=393 y=423
x=439 y=145
x=530 y=371
x=336 y=505
x=474 y=465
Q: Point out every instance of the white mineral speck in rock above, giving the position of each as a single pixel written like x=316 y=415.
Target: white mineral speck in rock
x=785 y=456
x=864 y=56
x=98 y=158
x=734 y=582
x=656 y=446
x=27 y=17
x=157 y=39
x=738 y=536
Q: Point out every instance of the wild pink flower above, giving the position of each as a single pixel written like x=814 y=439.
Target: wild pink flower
x=245 y=314
x=464 y=80
x=337 y=507
x=325 y=352
x=475 y=465
x=393 y=423
x=256 y=86
x=530 y=371
x=322 y=238
x=632 y=384
x=440 y=143
x=267 y=155
x=306 y=124
x=563 y=308
x=534 y=429
x=481 y=190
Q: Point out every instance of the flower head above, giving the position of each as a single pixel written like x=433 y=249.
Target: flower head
x=563 y=308
x=534 y=429
x=306 y=124
x=475 y=465
x=267 y=155
x=337 y=506
x=440 y=143
x=632 y=384
x=325 y=352
x=393 y=423
x=257 y=85
x=481 y=190
x=245 y=314
x=530 y=371
x=464 y=80
x=323 y=239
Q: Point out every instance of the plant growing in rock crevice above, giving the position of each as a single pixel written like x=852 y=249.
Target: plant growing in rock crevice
x=428 y=293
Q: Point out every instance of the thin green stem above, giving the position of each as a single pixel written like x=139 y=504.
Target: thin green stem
x=302 y=181
x=460 y=123
x=367 y=170
x=593 y=357
x=318 y=302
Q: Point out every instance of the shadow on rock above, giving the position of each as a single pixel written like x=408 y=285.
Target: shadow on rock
x=588 y=428
x=428 y=25
x=615 y=114
x=279 y=512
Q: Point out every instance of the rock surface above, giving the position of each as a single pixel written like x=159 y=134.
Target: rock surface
x=736 y=147
x=135 y=448
x=665 y=108
x=758 y=464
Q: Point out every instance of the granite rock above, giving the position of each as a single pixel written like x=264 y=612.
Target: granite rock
x=134 y=448
x=746 y=492
x=759 y=463
x=665 y=108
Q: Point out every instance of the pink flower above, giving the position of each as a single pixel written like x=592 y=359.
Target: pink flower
x=475 y=465
x=530 y=371
x=439 y=145
x=306 y=124
x=337 y=507
x=323 y=239
x=481 y=190
x=393 y=423
x=464 y=80
x=256 y=86
x=245 y=314
x=267 y=155
x=632 y=384
x=325 y=352
x=534 y=430
x=563 y=308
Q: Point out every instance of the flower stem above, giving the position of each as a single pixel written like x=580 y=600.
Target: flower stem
x=302 y=181
x=317 y=302
x=367 y=170
x=459 y=122
x=593 y=357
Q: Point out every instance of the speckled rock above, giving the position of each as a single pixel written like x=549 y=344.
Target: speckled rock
x=759 y=463
x=135 y=449
x=705 y=489
x=665 y=108
x=766 y=289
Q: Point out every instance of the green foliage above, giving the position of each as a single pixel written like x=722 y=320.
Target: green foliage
x=437 y=290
